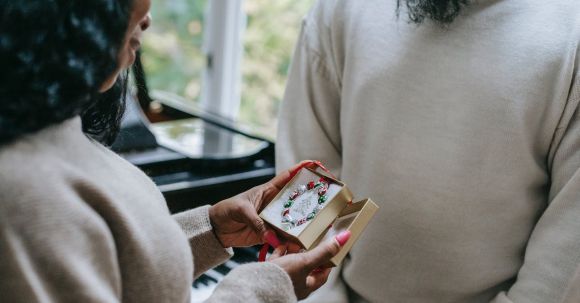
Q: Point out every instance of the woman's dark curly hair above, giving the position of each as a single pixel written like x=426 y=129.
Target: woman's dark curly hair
x=54 y=57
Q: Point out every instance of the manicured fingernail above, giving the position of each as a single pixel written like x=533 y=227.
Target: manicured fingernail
x=343 y=237
x=317 y=270
x=272 y=239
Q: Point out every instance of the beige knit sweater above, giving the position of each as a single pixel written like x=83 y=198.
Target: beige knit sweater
x=468 y=137
x=80 y=224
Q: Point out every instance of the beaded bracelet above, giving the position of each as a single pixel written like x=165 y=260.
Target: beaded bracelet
x=321 y=186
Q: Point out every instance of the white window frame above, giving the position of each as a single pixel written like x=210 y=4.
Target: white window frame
x=224 y=26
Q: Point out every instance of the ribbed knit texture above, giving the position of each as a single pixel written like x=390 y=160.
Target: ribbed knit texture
x=197 y=228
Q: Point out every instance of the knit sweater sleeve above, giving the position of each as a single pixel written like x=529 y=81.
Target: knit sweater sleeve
x=206 y=248
x=551 y=269
x=256 y=282
x=309 y=125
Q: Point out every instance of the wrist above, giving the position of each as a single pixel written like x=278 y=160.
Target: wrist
x=211 y=215
x=212 y=221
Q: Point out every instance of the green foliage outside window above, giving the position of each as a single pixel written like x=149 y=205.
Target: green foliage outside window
x=172 y=54
x=174 y=61
x=269 y=41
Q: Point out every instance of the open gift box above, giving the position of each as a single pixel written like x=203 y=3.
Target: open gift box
x=314 y=206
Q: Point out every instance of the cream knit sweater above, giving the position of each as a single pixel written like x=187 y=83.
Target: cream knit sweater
x=80 y=224
x=468 y=138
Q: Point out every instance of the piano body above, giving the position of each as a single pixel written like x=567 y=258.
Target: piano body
x=195 y=158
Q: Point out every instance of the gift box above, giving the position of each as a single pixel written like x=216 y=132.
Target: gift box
x=354 y=217
x=314 y=206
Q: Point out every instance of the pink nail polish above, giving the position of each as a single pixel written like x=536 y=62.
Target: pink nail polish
x=343 y=237
x=272 y=239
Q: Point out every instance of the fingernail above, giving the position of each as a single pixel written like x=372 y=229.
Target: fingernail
x=343 y=237
x=272 y=239
x=317 y=270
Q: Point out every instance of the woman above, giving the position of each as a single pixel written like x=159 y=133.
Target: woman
x=78 y=223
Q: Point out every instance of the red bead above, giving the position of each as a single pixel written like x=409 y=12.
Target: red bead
x=322 y=192
x=321 y=179
x=286 y=211
x=310 y=185
x=294 y=195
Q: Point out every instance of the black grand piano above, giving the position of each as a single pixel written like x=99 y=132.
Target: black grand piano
x=195 y=158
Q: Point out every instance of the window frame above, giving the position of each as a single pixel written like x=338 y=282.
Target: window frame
x=224 y=28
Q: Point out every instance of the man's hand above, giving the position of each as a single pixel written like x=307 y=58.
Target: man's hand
x=235 y=220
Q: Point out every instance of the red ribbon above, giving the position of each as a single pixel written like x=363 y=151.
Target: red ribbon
x=266 y=246
x=306 y=163
x=263 y=252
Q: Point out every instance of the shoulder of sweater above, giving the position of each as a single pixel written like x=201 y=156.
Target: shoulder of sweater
x=321 y=11
x=29 y=168
x=326 y=15
x=33 y=163
x=41 y=202
x=42 y=207
x=59 y=153
x=39 y=172
x=33 y=183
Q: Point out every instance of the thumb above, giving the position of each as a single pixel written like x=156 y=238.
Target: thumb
x=322 y=253
x=251 y=218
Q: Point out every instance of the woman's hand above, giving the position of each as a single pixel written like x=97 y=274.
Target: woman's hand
x=305 y=269
x=235 y=220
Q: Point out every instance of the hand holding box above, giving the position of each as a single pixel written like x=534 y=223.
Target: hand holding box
x=313 y=206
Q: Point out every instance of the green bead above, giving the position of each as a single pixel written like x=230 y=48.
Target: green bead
x=310 y=216
x=317 y=185
x=321 y=199
x=288 y=204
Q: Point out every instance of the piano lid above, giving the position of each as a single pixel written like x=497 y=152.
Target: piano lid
x=199 y=139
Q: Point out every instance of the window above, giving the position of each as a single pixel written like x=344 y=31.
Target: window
x=269 y=41
x=173 y=57
x=238 y=69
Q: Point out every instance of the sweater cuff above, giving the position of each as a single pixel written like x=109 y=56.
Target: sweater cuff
x=207 y=250
x=255 y=282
